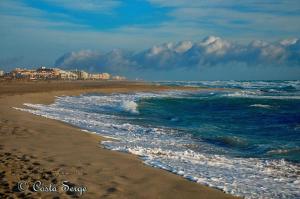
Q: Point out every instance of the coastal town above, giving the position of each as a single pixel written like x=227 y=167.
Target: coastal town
x=44 y=73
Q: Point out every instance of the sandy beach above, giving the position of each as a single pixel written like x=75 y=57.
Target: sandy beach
x=34 y=148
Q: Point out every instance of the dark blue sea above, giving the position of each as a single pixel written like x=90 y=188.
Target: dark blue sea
x=242 y=137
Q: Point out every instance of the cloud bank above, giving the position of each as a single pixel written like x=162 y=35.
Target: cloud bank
x=211 y=51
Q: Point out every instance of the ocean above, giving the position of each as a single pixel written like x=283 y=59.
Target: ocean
x=243 y=139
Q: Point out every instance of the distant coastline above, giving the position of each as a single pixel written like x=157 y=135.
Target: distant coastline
x=44 y=73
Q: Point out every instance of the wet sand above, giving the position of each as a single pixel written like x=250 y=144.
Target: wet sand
x=34 y=148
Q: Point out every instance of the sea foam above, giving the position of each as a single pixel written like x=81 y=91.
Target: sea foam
x=261 y=106
x=130 y=106
x=166 y=148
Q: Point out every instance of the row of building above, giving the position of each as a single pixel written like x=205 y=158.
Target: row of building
x=44 y=73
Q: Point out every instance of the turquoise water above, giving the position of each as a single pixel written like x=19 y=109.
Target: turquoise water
x=244 y=139
x=243 y=127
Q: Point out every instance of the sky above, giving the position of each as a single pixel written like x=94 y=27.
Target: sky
x=155 y=39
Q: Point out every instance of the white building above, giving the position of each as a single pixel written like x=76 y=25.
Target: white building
x=105 y=76
x=81 y=74
x=1 y=73
x=99 y=76
x=67 y=75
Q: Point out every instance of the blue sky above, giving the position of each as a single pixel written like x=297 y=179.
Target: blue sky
x=103 y=15
x=38 y=32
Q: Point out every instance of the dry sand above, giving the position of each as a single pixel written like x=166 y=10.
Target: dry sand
x=33 y=149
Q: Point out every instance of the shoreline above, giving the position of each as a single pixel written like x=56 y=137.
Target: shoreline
x=57 y=151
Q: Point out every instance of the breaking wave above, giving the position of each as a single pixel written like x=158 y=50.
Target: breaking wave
x=118 y=116
x=261 y=106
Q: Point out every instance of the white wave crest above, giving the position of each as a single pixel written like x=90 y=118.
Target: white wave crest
x=260 y=95
x=130 y=106
x=160 y=147
x=261 y=106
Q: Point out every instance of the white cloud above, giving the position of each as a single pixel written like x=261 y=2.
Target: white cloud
x=104 y=6
x=183 y=46
x=243 y=19
x=212 y=51
x=40 y=36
